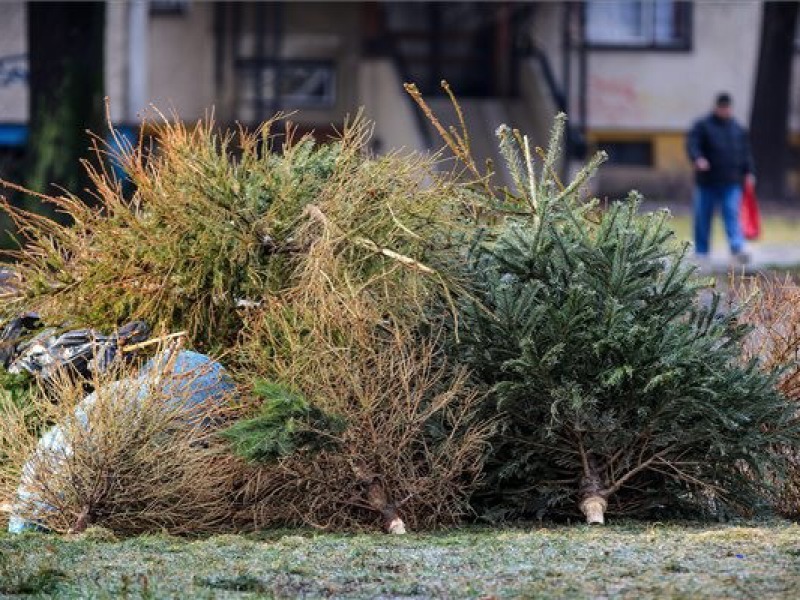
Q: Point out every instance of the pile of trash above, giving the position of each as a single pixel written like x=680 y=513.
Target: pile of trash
x=308 y=266
x=27 y=346
x=190 y=389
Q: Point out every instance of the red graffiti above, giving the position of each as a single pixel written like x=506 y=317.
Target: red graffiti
x=613 y=100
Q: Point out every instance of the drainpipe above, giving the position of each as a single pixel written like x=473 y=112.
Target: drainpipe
x=566 y=66
x=138 y=22
x=566 y=54
x=277 y=52
x=582 y=74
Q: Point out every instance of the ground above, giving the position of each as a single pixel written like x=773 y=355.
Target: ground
x=778 y=246
x=621 y=560
x=624 y=560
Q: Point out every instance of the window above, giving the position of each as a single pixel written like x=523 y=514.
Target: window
x=628 y=153
x=649 y=24
x=267 y=85
x=169 y=7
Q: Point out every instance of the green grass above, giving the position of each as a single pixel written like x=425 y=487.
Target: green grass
x=774 y=229
x=628 y=560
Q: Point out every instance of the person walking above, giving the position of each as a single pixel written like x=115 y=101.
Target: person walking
x=719 y=149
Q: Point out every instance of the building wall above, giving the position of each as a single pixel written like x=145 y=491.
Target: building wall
x=385 y=104
x=181 y=61
x=547 y=26
x=311 y=31
x=116 y=67
x=180 y=54
x=324 y=30
x=13 y=63
x=654 y=96
x=667 y=90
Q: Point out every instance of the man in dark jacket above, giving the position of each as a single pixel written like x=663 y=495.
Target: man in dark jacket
x=720 y=152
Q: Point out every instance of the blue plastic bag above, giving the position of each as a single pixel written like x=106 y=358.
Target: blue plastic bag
x=184 y=379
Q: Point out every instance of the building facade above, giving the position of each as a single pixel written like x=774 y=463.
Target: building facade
x=632 y=75
x=646 y=70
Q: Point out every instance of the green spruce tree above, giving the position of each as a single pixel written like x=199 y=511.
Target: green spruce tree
x=285 y=423
x=618 y=390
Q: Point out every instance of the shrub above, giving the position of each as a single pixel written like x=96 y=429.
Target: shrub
x=409 y=453
x=771 y=306
x=618 y=390
x=218 y=220
x=345 y=334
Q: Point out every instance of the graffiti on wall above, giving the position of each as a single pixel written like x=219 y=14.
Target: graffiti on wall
x=13 y=70
x=614 y=100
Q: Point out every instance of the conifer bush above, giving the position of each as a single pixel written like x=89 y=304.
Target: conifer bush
x=404 y=447
x=771 y=306
x=217 y=221
x=618 y=390
x=402 y=451
x=309 y=266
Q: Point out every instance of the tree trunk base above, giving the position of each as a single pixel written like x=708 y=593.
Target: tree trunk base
x=379 y=500
x=594 y=507
x=82 y=522
x=396 y=526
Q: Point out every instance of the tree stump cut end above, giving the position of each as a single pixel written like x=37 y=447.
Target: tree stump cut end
x=594 y=507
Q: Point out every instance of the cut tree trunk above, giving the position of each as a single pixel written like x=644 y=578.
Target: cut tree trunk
x=593 y=494
x=378 y=499
x=594 y=507
x=82 y=521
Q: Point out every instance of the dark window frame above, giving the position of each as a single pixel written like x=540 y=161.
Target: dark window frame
x=684 y=43
x=644 y=146
x=242 y=65
x=168 y=8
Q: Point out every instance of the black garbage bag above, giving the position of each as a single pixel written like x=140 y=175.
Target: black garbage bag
x=81 y=352
x=12 y=335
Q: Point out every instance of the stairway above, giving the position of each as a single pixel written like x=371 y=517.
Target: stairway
x=483 y=116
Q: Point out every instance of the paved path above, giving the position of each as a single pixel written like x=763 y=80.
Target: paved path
x=764 y=256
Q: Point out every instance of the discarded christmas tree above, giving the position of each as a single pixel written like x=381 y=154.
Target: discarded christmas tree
x=309 y=267
x=772 y=309
x=619 y=390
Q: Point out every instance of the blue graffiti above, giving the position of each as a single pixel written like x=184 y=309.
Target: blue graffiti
x=13 y=69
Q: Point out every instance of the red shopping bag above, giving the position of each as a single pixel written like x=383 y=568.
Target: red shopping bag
x=749 y=217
